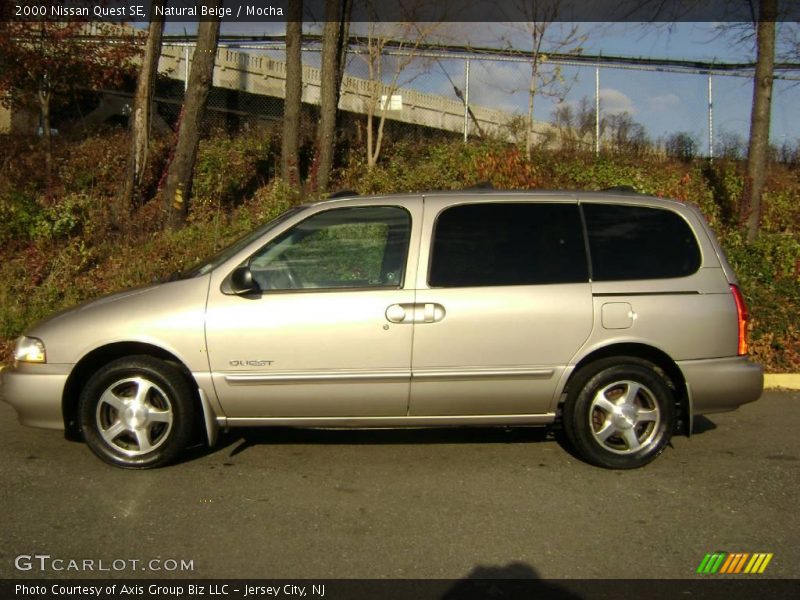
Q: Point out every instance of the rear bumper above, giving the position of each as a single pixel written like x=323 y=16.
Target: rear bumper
x=722 y=384
x=35 y=392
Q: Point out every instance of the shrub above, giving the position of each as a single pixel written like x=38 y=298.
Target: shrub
x=769 y=277
x=23 y=218
x=230 y=168
x=55 y=249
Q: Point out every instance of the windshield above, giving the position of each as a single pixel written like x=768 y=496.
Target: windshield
x=209 y=264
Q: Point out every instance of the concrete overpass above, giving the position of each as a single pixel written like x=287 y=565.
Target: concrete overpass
x=259 y=74
x=262 y=75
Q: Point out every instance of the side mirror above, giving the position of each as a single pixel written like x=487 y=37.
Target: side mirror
x=242 y=281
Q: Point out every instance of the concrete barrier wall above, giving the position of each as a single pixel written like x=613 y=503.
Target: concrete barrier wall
x=266 y=76
x=262 y=75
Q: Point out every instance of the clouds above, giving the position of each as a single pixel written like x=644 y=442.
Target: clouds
x=614 y=102
x=663 y=103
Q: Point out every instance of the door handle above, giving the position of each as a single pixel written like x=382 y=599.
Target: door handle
x=428 y=312
x=396 y=313
x=431 y=313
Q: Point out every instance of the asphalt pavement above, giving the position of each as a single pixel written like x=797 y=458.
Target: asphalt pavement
x=283 y=503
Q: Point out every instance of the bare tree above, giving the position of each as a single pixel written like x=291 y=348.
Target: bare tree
x=179 y=177
x=576 y=125
x=626 y=135
x=407 y=38
x=290 y=144
x=758 y=148
x=546 y=35
x=335 y=37
x=682 y=145
x=564 y=121
x=141 y=115
x=789 y=41
x=730 y=145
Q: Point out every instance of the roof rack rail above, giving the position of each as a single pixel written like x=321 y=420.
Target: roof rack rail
x=481 y=185
x=342 y=194
x=621 y=189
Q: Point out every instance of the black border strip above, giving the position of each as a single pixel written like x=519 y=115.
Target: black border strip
x=712 y=587
x=475 y=11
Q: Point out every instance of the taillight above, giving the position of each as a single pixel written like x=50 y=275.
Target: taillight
x=741 y=317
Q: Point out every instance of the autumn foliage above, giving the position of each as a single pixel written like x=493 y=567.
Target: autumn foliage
x=44 y=61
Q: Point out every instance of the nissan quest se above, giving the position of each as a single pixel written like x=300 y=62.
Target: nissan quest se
x=613 y=315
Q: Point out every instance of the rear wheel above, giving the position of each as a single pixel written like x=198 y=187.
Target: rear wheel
x=619 y=413
x=136 y=412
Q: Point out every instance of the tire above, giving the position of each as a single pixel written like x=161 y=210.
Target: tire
x=619 y=413
x=136 y=412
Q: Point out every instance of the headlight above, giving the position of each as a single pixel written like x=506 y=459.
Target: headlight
x=29 y=350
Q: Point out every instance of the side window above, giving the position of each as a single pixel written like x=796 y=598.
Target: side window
x=636 y=242
x=361 y=247
x=508 y=244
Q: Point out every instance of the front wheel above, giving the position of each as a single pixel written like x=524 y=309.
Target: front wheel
x=136 y=412
x=619 y=413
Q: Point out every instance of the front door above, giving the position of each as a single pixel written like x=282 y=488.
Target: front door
x=316 y=340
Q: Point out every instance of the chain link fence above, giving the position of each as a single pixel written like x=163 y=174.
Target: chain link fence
x=635 y=108
x=596 y=108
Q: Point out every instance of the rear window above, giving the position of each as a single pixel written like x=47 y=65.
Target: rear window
x=635 y=242
x=508 y=244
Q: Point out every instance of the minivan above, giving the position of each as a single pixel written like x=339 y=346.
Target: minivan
x=611 y=315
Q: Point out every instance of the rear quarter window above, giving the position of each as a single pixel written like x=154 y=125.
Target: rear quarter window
x=637 y=242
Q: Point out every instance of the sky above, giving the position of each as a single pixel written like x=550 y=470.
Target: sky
x=663 y=102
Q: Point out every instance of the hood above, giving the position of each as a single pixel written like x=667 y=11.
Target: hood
x=89 y=304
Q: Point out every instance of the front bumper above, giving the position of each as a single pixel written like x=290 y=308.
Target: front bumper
x=722 y=384
x=35 y=391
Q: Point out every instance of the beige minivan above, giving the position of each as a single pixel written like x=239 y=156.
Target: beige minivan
x=613 y=315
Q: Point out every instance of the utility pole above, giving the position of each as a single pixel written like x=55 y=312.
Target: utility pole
x=597 y=110
x=710 y=119
x=466 y=99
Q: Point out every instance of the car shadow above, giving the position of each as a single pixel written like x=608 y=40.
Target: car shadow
x=240 y=440
x=248 y=438
x=702 y=424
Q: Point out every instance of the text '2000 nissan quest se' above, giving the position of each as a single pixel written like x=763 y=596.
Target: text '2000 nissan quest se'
x=612 y=314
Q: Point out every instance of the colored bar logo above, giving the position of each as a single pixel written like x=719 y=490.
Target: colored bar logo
x=731 y=563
